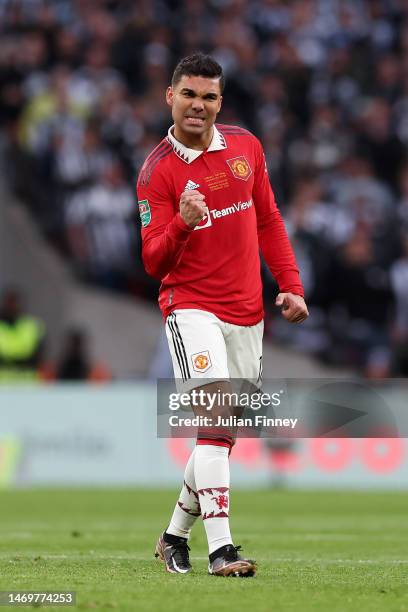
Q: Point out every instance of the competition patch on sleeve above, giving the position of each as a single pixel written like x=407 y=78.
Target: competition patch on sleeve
x=145 y=212
x=240 y=167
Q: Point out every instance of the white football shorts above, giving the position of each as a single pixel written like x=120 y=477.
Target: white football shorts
x=205 y=349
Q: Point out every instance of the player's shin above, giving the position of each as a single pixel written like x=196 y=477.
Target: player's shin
x=187 y=508
x=212 y=477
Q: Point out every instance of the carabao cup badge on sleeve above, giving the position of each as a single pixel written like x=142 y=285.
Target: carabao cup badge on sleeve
x=145 y=212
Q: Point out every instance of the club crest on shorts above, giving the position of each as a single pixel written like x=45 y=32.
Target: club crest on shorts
x=201 y=361
x=145 y=212
x=240 y=167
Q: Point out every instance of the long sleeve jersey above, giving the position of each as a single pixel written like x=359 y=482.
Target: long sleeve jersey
x=215 y=266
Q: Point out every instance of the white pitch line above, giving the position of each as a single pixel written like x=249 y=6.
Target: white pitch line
x=340 y=561
x=136 y=557
x=21 y=535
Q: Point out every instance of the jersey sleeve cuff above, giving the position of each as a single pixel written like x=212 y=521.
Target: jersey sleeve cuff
x=179 y=230
x=291 y=284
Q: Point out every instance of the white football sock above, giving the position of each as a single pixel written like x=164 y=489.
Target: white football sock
x=212 y=478
x=187 y=508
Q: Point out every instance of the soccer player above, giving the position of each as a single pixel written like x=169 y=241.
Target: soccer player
x=206 y=208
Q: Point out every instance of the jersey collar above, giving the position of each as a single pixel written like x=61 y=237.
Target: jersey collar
x=189 y=155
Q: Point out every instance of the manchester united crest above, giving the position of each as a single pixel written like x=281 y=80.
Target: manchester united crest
x=240 y=168
x=201 y=361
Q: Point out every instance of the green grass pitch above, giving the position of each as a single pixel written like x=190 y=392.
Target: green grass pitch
x=325 y=551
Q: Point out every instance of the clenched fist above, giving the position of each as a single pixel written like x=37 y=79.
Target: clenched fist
x=293 y=307
x=192 y=207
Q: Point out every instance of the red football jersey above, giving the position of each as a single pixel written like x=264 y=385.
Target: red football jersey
x=215 y=266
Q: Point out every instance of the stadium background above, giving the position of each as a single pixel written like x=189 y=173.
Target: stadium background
x=324 y=85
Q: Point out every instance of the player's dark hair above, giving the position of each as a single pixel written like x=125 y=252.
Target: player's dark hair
x=198 y=64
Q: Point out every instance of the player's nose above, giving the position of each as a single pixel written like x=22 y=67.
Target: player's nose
x=197 y=105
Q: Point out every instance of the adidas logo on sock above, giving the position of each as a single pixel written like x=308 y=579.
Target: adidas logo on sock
x=190 y=185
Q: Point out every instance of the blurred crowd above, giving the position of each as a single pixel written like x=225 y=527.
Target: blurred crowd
x=322 y=83
x=23 y=351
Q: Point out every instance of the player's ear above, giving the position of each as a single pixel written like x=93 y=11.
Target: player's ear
x=219 y=104
x=169 y=96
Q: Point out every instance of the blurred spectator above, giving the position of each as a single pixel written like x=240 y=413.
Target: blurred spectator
x=378 y=142
x=402 y=210
x=399 y=282
x=82 y=162
x=21 y=340
x=101 y=231
x=75 y=364
x=361 y=300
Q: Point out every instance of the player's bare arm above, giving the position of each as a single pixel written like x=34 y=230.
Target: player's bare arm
x=192 y=207
x=293 y=307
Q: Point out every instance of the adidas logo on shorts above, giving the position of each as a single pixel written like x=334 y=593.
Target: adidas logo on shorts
x=190 y=185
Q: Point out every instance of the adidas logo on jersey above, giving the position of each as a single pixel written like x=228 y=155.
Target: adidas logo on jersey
x=190 y=185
